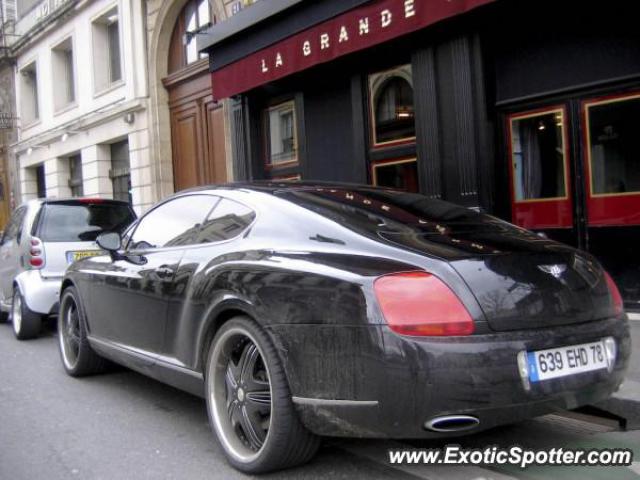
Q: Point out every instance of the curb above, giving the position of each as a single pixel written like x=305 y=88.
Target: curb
x=625 y=403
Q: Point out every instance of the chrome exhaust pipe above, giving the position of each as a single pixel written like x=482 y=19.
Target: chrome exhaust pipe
x=452 y=423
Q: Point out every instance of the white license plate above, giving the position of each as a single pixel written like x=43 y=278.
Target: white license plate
x=563 y=361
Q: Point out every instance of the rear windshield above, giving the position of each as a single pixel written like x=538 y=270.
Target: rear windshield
x=83 y=223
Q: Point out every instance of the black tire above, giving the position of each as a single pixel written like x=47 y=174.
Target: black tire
x=78 y=358
x=4 y=317
x=26 y=323
x=286 y=442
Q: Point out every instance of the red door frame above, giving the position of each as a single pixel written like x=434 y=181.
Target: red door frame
x=545 y=213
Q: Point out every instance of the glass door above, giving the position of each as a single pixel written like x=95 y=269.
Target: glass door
x=611 y=145
x=539 y=169
x=612 y=148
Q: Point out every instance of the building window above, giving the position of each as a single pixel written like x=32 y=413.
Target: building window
x=63 y=75
x=120 y=172
x=115 y=68
x=399 y=174
x=281 y=134
x=41 y=183
x=107 y=61
x=196 y=17
x=75 y=176
x=391 y=106
x=538 y=155
x=612 y=145
x=29 y=101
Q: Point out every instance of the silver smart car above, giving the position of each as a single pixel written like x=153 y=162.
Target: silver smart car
x=40 y=240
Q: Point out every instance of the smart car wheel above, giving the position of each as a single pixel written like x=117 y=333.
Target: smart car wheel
x=249 y=402
x=26 y=324
x=78 y=358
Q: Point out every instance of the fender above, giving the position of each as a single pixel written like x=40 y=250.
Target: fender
x=40 y=295
x=220 y=309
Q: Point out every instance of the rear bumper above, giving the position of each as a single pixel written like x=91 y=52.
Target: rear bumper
x=370 y=382
x=40 y=294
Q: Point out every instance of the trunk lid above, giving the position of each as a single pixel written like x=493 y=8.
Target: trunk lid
x=520 y=280
x=519 y=291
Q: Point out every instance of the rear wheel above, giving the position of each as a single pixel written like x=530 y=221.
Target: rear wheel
x=26 y=323
x=78 y=358
x=249 y=402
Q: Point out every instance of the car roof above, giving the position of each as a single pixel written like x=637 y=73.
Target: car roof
x=74 y=200
x=275 y=187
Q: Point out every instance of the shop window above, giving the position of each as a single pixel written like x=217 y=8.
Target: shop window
x=613 y=148
x=29 y=105
x=538 y=155
x=281 y=134
x=63 y=75
x=287 y=178
x=107 y=62
x=75 y=176
x=392 y=108
x=399 y=174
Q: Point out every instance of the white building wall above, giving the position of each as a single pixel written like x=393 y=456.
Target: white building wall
x=97 y=118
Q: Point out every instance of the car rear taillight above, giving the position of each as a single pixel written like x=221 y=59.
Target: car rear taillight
x=36 y=253
x=420 y=304
x=616 y=298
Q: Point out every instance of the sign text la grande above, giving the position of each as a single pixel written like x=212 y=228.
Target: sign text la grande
x=360 y=27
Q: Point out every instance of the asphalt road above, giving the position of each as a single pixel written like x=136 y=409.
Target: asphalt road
x=122 y=425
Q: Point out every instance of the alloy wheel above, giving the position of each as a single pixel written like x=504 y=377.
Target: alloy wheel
x=69 y=333
x=240 y=394
x=16 y=312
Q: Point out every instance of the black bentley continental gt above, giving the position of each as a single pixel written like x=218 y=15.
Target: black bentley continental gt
x=302 y=310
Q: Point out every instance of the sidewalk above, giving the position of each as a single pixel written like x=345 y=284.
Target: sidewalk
x=625 y=403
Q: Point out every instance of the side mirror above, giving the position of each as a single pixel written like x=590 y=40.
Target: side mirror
x=110 y=241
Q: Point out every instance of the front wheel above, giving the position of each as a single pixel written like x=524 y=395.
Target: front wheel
x=249 y=402
x=26 y=323
x=78 y=358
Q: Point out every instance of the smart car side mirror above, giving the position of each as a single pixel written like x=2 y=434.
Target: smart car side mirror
x=110 y=241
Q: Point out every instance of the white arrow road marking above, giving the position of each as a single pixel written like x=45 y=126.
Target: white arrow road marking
x=378 y=452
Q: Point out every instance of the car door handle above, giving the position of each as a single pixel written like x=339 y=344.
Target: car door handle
x=165 y=271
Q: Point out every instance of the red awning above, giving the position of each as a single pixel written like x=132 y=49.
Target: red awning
x=358 y=29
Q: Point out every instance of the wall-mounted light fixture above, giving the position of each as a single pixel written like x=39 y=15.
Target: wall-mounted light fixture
x=67 y=134
x=31 y=149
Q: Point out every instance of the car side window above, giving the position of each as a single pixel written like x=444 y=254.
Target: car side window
x=174 y=223
x=15 y=225
x=228 y=220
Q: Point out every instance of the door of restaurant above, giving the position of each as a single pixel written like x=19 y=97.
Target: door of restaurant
x=588 y=195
